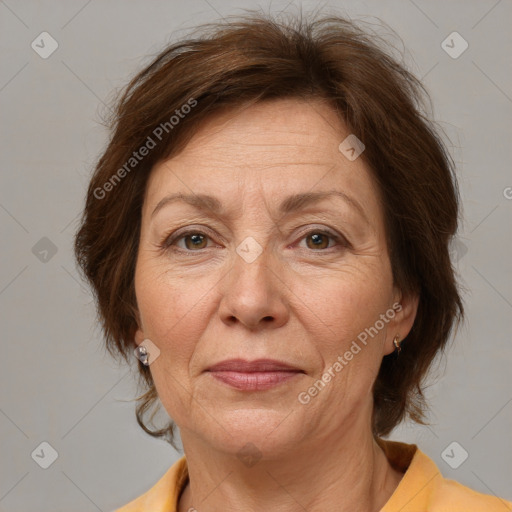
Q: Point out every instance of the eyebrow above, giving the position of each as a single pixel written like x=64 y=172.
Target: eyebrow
x=289 y=205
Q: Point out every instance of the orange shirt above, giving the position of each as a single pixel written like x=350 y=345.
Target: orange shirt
x=422 y=488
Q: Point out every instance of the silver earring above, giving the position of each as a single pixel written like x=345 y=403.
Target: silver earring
x=142 y=355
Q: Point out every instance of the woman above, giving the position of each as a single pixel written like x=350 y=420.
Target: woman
x=268 y=232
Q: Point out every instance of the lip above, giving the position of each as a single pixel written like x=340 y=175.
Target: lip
x=258 y=365
x=255 y=375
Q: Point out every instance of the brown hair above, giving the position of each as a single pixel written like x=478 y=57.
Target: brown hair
x=255 y=58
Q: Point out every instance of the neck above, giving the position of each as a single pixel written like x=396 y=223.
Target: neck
x=349 y=473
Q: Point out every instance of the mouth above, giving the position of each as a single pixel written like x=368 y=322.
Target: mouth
x=253 y=375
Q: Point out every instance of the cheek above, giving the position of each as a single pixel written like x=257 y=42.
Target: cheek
x=345 y=302
x=343 y=315
x=173 y=309
x=173 y=316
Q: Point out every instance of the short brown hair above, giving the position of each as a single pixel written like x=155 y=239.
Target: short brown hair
x=253 y=58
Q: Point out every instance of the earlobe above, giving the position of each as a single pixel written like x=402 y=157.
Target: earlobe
x=406 y=307
x=139 y=336
x=408 y=314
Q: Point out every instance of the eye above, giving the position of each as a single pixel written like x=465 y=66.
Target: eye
x=193 y=240
x=319 y=239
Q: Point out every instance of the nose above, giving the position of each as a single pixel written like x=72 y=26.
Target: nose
x=253 y=294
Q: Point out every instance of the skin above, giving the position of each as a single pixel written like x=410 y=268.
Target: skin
x=303 y=300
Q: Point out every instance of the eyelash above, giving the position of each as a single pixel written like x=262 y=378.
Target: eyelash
x=168 y=240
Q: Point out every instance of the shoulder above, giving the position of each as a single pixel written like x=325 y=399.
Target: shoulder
x=451 y=496
x=423 y=487
x=163 y=496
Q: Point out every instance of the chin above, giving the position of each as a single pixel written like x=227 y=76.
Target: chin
x=253 y=432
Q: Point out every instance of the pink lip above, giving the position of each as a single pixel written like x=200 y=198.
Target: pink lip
x=253 y=375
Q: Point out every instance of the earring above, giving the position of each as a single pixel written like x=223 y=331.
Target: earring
x=397 y=342
x=142 y=355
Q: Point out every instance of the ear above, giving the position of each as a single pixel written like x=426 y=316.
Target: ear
x=139 y=336
x=405 y=307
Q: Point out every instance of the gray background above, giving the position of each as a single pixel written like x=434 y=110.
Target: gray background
x=57 y=383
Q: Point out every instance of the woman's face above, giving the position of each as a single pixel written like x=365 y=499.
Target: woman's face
x=266 y=269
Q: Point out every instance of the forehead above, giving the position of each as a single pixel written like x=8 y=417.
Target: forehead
x=276 y=147
x=290 y=128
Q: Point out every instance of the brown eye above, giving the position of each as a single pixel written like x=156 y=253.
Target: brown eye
x=318 y=240
x=188 y=241
x=197 y=241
